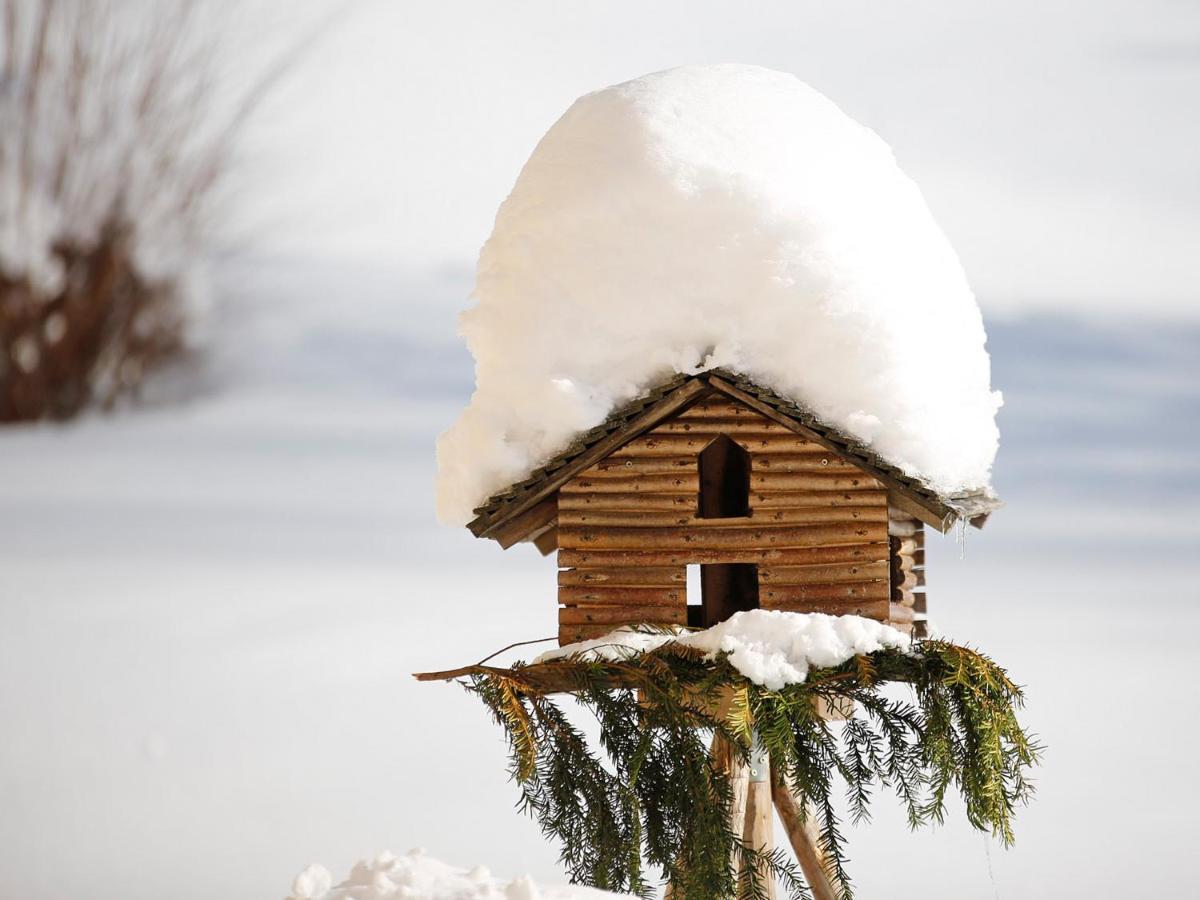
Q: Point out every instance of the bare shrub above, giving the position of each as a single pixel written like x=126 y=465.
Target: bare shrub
x=117 y=122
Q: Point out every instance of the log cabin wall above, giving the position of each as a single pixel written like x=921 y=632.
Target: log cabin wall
x=906 y=554
x=628 y=526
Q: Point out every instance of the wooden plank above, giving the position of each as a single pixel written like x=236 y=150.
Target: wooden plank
x=685 y=394
x=683 y=517
x=614 y=501
x=625 y=576
x=684 y=444
x=871 y=609
x=811 y=515
x=523 y=526
x=547 y=541
x=685 y=482
x=756 y=425
x=750 y=537
x=653 y=465
x=802 y=499
x=570 y=634
x=622 y=615
x=766 y=482
x=900 y=614
x=720 y=409
x=822 y=461
x=776 y=594
x=805 y=837
x=649 y=595
x=797 y=556
x=830 y=573
x=759 y=833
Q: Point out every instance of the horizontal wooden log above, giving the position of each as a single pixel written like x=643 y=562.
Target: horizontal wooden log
x=625 y=576
x=919 y=556
x=774 y=594
x=631 y=517
x=900 y=614
x=812 y=515
x=822 y=461
x=569 y=557
x=871 y=609
x=719 y=409
x=613 y=501
x=572 y=634
x=685 y=444
x=764 y=482
x=635 y=484
x=829 y=573
x=685 y=518
x=801 y=499
x=617 y=595
x=919 y=602
x=903 y=596
x=652 y=465
x=902 y=581
x=902 y=546
x=755 y=425
x=622 y=615
x=748 y=537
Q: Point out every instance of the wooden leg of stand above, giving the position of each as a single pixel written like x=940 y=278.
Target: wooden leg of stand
x=803 y=837
x=759 y=830
x=739 y=781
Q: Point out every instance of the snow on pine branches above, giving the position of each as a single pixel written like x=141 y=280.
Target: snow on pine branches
x=650 y=795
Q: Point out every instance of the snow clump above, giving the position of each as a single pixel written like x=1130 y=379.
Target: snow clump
x=417 y=876
x=770 y=647
x=719 y=216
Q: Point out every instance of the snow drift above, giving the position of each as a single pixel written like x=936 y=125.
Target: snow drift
x=719 y=216
x=417 y=876
x=770 y=647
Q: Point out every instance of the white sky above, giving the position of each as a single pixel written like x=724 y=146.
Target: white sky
x=1055 y=141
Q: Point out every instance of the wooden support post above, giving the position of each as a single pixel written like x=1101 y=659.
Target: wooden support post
x=802 y=833
x=758 y=832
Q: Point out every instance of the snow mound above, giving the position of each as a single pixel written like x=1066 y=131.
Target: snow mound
x=417 y=876
x=718 y=216
x=770 y=647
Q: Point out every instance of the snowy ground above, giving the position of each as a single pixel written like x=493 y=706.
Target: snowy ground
x=209 y=613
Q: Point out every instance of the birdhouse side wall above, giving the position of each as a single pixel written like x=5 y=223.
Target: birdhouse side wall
x=628 y=526
x=906 y=552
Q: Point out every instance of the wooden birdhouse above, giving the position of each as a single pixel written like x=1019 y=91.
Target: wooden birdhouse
x=776 y=509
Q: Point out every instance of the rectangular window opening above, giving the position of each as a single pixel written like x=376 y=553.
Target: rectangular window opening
x=715 y=591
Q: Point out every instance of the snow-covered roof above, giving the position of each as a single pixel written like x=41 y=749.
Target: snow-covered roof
x=719 y=216
x=519 y=502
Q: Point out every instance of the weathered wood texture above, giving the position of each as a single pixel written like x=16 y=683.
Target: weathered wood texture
x=628 y=525
x=906 y=558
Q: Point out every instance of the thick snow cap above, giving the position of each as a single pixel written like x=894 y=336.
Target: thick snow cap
x=719 y=216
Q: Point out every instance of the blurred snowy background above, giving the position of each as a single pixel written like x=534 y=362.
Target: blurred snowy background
x=209 y=608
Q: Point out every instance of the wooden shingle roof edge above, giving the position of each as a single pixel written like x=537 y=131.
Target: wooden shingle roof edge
x=524 y=509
